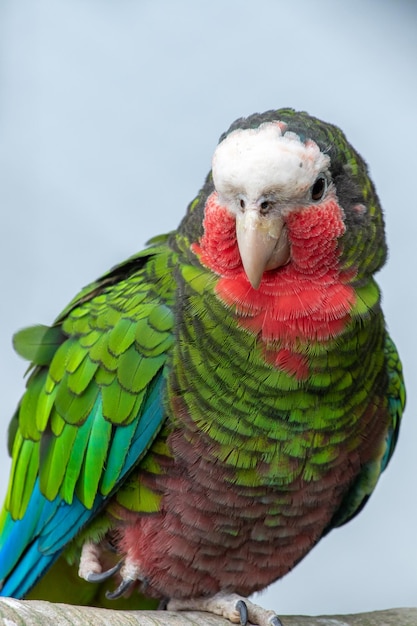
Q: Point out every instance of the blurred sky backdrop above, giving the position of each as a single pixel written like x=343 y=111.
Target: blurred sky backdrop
x=109 y=114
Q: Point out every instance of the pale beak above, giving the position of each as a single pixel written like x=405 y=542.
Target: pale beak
x=263 y=243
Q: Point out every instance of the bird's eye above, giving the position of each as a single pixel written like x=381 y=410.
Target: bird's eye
x=265 y=206
x=319 y=188
x=242 y=203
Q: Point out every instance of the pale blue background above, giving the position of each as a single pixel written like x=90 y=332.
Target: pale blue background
x=109 y=113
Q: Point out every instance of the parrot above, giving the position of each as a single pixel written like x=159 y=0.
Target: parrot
x=199 y=417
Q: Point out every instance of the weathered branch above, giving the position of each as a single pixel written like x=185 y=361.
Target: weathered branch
x=37 y=613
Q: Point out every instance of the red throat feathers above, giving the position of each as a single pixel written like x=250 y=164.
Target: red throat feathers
x=307 y=300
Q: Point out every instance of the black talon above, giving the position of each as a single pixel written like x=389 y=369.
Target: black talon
x=275 y=621
x=162 y=606
x=243 y=611
x=124 y=586
x=98 y=578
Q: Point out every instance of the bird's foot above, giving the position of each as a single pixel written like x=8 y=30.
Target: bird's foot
x=130 y=574
x=233 y=607
x=90 y=567
x=91 y=570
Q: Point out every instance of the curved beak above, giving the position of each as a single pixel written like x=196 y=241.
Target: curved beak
x=263 y=243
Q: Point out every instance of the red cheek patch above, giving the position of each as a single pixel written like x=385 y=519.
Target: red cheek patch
x=308 y=300
x=218 y=246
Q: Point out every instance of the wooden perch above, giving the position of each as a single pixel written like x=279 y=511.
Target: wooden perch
x=38 y=613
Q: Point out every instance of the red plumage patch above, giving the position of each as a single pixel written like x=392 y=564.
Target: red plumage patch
x=308 y=300
x=218 y=246
x=290 y=362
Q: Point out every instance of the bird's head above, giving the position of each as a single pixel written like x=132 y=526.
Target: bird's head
x=290 y=193
x=261 y=175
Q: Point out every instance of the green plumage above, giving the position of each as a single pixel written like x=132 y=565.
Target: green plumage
x=102 y=356
x=171 y=399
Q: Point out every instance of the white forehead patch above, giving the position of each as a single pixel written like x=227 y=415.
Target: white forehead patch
x=263 y=160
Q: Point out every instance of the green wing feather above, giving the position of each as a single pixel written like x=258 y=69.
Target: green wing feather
x=366 y=482
x=90 y=376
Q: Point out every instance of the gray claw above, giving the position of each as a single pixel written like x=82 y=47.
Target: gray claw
x=243 y=611
x=124 y=586
x=275 y=621
x=98 y=578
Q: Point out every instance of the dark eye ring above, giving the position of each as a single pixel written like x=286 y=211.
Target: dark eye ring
x=319 y=188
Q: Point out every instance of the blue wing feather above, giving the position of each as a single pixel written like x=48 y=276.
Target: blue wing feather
x=29 y=546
